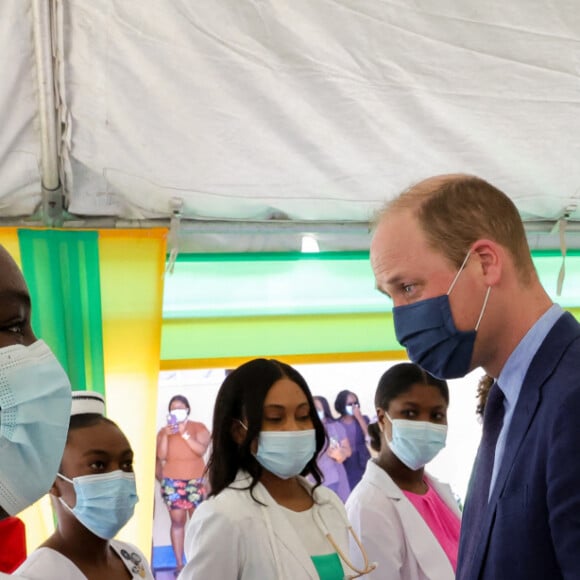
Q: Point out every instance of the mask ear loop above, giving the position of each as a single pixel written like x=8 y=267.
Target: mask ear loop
x=458 y=273
x=486 y=294
x=483 y=307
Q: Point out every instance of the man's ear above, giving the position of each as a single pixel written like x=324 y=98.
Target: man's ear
x=491 y=257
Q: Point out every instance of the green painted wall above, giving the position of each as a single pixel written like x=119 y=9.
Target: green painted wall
x=244 y=305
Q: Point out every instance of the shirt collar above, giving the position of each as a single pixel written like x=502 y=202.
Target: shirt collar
x=514 y=371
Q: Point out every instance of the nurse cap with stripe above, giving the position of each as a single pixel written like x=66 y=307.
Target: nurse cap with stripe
x=87 y=402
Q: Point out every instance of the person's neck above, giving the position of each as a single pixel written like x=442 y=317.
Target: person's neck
x=405 y=478
x=78 y=544
x=289 y=493
x=522 y=317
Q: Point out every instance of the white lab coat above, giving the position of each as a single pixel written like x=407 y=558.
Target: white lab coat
x=48 y=564
x=393 y=532
x=232 y=537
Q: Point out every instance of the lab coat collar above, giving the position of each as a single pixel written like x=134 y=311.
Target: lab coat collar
x=282 y=529
x=425 y=547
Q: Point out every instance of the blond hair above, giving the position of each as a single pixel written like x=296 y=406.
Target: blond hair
x=454 y=211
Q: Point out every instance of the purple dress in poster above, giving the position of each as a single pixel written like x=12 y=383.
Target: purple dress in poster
x=355 y=465
x=334 y=472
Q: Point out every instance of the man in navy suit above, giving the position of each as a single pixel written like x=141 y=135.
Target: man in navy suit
x=452 y=254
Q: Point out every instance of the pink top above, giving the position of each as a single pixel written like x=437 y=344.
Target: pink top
x=441 y=521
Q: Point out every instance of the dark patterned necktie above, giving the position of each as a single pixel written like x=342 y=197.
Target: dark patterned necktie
x=478 y=495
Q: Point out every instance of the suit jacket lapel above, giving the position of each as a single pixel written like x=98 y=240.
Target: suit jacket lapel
x=542 y=366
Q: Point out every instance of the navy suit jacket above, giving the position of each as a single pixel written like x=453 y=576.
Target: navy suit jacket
x=531 y=529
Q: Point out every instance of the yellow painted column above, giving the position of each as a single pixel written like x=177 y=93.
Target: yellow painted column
x=132 y=267
x=9 y=239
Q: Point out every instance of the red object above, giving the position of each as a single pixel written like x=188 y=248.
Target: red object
x=12 y=544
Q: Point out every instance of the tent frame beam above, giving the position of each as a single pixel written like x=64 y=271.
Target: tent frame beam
x=52 y=190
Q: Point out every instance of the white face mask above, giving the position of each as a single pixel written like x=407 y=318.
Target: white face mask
x=35 y=402
x=180 y=414
x=320 y=415
x=416 y=443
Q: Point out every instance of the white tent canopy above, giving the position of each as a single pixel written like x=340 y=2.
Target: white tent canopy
x=286 y=117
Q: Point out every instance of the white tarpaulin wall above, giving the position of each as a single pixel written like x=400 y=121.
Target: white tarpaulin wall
x=310 y=109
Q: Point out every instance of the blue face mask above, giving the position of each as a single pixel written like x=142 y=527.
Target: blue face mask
x=286 y=453
x=35 y=402
x=105 y=501
x=416 y=443
x=427 y=330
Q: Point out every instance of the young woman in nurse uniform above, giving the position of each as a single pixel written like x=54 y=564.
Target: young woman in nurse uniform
x=263 y=520
x=407 y=520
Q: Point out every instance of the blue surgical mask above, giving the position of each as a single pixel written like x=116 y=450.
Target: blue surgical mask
x=427 y=330
x=349 y=410
x=416 y=443
x=321 y=415
x=35 y=402
x=286 y=453
x=105 y=501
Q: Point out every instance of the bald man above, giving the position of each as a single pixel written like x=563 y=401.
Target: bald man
x=451 y=252
x=35 y=400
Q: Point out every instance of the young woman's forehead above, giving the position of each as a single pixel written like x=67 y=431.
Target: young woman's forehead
x=285 y=391
x=423 y=394
x=100 y=435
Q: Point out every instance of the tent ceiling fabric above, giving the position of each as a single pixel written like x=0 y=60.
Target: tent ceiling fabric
x=302 y=110
x=19 y=140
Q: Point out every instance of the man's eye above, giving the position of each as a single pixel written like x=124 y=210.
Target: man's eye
x=14 y=328
x=409 y=413
x=273 y=419
x=97 y=465
x=408 y=288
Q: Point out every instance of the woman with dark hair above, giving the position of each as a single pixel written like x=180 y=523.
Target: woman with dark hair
x=94 y=496
x=331 y=458
x=181 y=445
x=263 y=519
x=409 y=520
x=355 y=425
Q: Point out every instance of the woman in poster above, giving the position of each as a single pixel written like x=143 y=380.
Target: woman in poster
x=181 y=445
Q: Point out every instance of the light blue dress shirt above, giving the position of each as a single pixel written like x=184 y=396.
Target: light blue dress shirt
x=512 y=376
